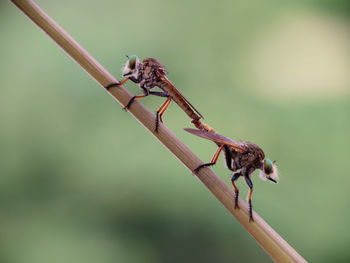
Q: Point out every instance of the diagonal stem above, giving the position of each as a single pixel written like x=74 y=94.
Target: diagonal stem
x=270 y=241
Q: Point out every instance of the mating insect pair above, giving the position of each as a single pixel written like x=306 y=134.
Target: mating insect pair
x=243 y=158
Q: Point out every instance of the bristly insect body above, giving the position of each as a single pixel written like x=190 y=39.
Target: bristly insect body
x=242 y=158
x=149 y=74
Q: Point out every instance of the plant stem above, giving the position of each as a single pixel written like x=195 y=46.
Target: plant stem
x=270 y=241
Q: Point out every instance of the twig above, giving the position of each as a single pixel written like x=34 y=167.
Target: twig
x=270 y=241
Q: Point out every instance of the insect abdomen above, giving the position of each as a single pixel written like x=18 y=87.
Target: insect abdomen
x=180 y=101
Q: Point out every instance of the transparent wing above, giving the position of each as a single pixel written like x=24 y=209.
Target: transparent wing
x=215 y=137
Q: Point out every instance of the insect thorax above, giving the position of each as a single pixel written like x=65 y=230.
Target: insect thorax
x=148 y=73
x=251 y=159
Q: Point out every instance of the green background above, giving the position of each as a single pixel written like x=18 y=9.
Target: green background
x=82 y=181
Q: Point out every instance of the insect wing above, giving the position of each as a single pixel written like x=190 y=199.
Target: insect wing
x=215 y=137
x=172 y=86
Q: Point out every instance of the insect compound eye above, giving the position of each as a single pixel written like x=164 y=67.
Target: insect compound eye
x=268 y=166
x=132 y=62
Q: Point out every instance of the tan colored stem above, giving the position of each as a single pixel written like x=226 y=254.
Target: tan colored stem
x=271 y=242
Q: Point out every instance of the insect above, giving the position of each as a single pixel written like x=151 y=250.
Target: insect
x=149 y=74
x=242 y=158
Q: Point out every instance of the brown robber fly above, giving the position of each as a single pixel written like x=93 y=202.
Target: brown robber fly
x=242 y=158
x=149 y=74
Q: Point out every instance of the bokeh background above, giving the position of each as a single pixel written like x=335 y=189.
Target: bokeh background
x=82 y=181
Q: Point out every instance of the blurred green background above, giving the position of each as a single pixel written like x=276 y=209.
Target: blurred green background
x=82 y=181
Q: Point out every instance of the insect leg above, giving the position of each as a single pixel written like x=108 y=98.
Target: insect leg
x=160 y=112
x=213 y=160
x=134 y=98
x=164 y=109
x=145 y=94
x=234 y=177
x=228 y=158
x=250 y=184
x=116 y=84
x=159 y=93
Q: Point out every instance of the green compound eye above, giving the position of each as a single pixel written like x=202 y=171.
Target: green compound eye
x=132 y=62
x=268 y=166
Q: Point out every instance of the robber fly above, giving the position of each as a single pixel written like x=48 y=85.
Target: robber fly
x=149 y=74
x=242 y=158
